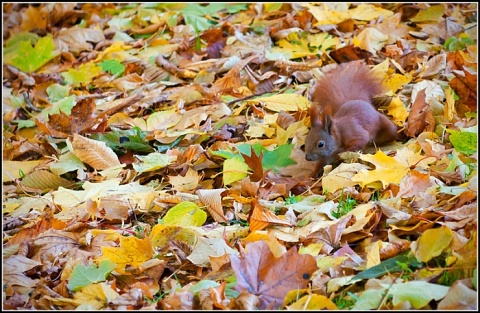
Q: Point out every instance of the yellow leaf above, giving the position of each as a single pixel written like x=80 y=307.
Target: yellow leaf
x=44 y=180
x=234 y=169
x=94 y=153
x=432 y=243
x=433 y=13
x=259 y=130
x=369 y=12
x=14 y=169
x=161 y=235
x=185 y=214
x=326 y=15
x=387 y=170
x=371 y=39
x=373 y=253
x=163 y=120
x=313 y=302
x=185 y=183
x=397 y=81
x=284 y=102
x=341 y=176
x=398 y=111
x=323 y=41
x=96 y=296
x=115 y=51
x=132 y=251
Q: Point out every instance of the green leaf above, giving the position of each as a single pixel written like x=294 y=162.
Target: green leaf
x=24 y=123
x=203 y=284
x=151 y=162
x=130 y=139
x=57 y=92
x=418 y=293
x=432 y=13
x=185 y=214
x=463 y=142
x=13 y=43
x=82 y=276
x=84 y=74
x=279 y=157
x=65 y=105
x=28 y=58
x=199 y=23
x=272 y=7
x=388 y=266
x=113 y=67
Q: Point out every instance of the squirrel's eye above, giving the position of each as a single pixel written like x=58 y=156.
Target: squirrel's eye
x=321 y=144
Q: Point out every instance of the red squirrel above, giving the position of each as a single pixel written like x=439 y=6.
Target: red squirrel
x=343 y=117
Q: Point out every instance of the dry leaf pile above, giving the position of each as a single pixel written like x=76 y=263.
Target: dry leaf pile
x=152 y=158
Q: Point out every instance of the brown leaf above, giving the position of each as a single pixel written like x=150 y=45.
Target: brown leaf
x=62 y=125
x=414 y=183
x=332 y=234
x=178 y=300
x=213 y=201
x=261 y=217
x=260 y=273
x=351 y=53
x=255 y=163
x=420 y=118
x=94 y=153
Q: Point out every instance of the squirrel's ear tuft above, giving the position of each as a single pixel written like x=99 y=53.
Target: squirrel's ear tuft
x=315 y=116
x=328 y=124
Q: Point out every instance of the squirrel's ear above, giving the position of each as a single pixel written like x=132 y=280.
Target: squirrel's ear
x=315 y=116
x=328 y=124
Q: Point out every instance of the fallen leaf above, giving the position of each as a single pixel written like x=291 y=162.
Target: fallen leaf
x=270 y=278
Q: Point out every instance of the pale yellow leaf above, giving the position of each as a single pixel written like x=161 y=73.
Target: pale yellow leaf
x=209 y=247
x=341 y=176
x=153 y=161
x=163 y=120
x=96 y=296
x=283 y=102
x=185 y=183
x=94 y=153
x=326 y=15
x=44 y=180
x=370 y=39
x=369 y=12
x=373 y=253
x=213 y=201
x=15 y=169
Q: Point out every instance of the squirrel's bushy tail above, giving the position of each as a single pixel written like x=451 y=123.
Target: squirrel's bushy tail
x=345 y=82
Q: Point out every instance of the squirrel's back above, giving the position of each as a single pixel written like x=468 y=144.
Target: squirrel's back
x=345 y=82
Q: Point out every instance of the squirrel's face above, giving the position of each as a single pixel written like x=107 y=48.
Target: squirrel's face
x=319 y=144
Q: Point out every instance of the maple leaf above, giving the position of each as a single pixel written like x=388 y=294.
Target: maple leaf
x=270 y=278
x=254 y=161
